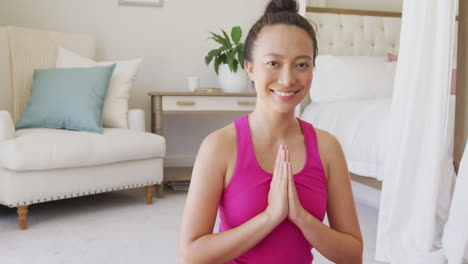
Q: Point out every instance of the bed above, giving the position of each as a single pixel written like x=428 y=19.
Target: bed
x=352 y=88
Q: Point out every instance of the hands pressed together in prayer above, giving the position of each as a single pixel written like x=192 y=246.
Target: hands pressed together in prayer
x=283 y=200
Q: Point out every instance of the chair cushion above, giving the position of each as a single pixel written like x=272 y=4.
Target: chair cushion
x=114 y=113
x=70 y=98
x=43 y=148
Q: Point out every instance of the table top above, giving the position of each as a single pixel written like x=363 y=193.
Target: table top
x=200 y=94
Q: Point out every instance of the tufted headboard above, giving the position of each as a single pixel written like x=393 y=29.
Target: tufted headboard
x=355 y=33
x=346 y=32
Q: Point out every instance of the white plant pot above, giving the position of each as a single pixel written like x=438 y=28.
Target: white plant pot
x=231 y=82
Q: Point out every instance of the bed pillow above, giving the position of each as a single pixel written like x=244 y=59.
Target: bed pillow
x=116 y=104
x=70 y=98
x=338 y=78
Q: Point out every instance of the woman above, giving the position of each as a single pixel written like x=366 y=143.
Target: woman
x=272 y=175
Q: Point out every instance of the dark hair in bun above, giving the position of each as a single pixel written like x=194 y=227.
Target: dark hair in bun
x=279 y=12
x=282 y=6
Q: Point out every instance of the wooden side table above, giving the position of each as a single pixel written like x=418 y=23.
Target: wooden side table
x=189 y=102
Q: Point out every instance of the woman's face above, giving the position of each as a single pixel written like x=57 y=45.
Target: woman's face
x=281 y=67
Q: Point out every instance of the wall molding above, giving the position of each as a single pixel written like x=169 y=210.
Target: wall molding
x=352 y=12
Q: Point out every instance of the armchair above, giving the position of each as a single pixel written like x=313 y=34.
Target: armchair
x=40 y=164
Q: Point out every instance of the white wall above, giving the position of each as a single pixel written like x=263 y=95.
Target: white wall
x=172 y=41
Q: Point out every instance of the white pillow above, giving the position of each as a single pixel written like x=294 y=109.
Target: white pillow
x=114 y=112
x=338 y=78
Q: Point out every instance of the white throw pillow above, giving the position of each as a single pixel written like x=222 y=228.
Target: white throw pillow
x=338 y=78
x=114 y=112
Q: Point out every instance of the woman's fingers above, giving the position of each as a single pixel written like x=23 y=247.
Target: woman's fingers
x=278 y=157
x=280 y=169
x=280 y=173
x=282 y=166
x=290 y=174
x=277 y=176
x=287 y=162
x=284 y=179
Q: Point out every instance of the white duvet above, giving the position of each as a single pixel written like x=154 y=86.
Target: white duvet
x=361 y=127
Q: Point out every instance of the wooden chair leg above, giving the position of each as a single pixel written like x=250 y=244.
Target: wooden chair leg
x=149 y=194
x=23 y=216
x=160 y=190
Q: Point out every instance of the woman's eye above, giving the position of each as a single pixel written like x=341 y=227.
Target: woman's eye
x=273 y=63
x=303 y=65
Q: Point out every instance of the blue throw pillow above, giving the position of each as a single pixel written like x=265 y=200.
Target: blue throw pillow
x=70 y=98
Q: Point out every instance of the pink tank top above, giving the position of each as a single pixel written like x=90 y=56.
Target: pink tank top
x=246 y=196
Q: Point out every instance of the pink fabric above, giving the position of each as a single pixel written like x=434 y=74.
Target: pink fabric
x=392 y=57
x=247 y=196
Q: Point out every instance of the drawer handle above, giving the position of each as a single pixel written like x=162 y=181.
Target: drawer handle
x=185 y=103
x=246 y=103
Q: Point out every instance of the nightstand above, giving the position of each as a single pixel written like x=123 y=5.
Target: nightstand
x=166 y=103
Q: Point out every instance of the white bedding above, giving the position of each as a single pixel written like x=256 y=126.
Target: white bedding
x=361 y=128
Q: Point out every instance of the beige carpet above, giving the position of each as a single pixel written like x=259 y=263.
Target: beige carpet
x=114 y=228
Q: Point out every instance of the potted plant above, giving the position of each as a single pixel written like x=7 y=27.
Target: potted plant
x=229 y=61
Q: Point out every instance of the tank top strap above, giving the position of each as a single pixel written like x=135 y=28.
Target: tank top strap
x=245 y=153
x=241 y=133
x=310 y=138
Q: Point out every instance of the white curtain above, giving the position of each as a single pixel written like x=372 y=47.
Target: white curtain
x=418 y=171
x=455 y=240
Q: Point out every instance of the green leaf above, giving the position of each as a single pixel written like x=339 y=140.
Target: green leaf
x=223 y=58
x=208 y=59
x=240 y=57
x=216 y=37
x=235 y=65
x=216 y=64
x=227 y=39
x=220 y=40
x=231 y=60
x=213 y=53
x=236 y=34
x=240 y=47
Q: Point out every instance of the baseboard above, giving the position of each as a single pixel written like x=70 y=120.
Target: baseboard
x=366 y=195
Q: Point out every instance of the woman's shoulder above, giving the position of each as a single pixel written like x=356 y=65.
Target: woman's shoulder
x=328 y=146
x=215 y=152
x=327 y=142
x=222 y=140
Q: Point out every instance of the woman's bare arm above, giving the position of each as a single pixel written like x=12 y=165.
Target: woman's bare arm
x=342 y=243
x=198 y=244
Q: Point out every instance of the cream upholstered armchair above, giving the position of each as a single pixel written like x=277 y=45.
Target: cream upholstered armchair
x=42 y=164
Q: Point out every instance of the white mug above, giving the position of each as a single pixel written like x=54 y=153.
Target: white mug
x=193 y=82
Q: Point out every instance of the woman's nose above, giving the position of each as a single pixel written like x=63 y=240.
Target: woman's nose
x=287 y=77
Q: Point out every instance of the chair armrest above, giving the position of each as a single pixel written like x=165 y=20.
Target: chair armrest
x=7 y=127
x=136 y=120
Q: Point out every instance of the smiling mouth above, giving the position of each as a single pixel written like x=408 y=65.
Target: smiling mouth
x=284 y=93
